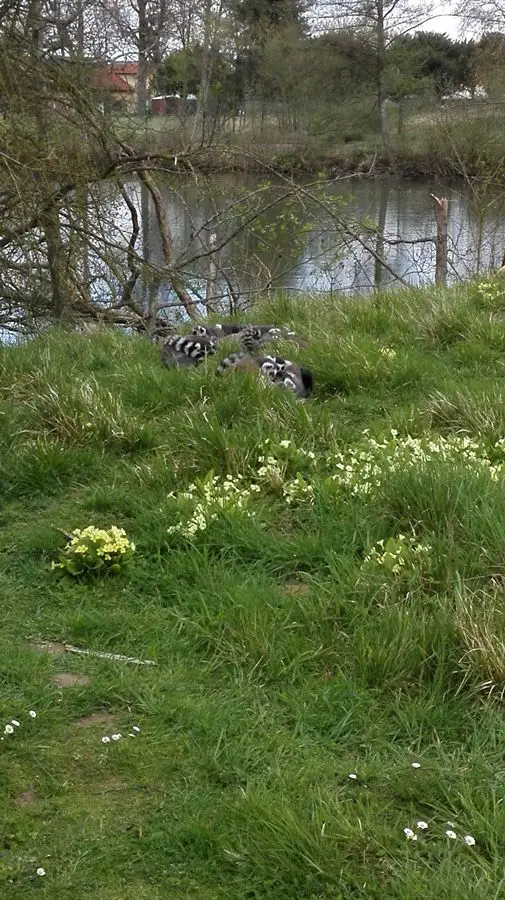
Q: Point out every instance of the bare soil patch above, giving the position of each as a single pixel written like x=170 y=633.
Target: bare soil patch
x=70 y=679
x=26 y=798
x=296 y=588
x=100 y=717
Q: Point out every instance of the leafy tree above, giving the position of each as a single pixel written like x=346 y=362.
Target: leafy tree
x=267 y=14
x=341 y=63
x=258 y=21
x=429 y=62
x=181 y=73
x=487 y=59
x=381 y=23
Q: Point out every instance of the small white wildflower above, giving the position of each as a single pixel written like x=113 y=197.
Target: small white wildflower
x=353 y=776
x=422 y=825
x=116 y=737
x=105 y=739
x=131 y=734
x=468 y=839
x=15 y=722
x=451 y=834
x=33 y=714
x=416 y=765
x=285 y=444
x=450 y=824
x=8 y=729
x=41 y=871
x=411 y=835
x=135 y=728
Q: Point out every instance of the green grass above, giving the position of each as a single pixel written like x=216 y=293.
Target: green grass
x=464 y=139
x=285 y=660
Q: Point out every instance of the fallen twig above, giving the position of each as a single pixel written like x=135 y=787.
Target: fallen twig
x=101 y=654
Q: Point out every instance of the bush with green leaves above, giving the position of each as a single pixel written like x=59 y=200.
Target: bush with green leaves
x=95 y=551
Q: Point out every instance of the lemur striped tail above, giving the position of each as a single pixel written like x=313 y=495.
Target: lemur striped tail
x=232 y=361
x=186 y=351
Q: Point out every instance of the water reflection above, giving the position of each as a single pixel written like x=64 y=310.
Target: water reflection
x=295 y=245
x=286 y=255
x=289 y=244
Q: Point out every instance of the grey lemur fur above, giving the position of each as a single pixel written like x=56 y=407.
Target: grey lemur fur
x=277 y=370
x=186 y=351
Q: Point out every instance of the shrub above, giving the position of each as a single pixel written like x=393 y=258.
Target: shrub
x=95 y=551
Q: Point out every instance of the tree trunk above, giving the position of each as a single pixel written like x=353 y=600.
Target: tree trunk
x=62 y=289
x=57 y=255
x=381 y=225
x=203 y=94
x=166 y=242
x=381 y=96
x=141 y=102
x=442 y=217
x=146 y=245
x=211 y=287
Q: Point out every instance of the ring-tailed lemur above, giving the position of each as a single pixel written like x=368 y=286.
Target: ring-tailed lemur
x=219 y=331
x=186 y=351
x=277 y=370
x=251 y=337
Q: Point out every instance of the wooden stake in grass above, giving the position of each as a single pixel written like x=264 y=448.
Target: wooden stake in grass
x=442 y=218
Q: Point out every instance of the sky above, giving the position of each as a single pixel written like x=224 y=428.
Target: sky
x=449 y=25
x=441 y=21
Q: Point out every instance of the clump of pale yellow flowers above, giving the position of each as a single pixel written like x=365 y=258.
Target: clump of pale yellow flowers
x=95 y=550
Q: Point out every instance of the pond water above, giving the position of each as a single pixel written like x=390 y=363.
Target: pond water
x=296 y=242
x=352 y=235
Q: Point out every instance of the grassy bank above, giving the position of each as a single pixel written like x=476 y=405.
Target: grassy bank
x=460 y=139
x=293 y=649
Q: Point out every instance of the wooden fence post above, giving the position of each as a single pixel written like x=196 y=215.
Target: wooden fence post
x=442 y=217
x=211 y=290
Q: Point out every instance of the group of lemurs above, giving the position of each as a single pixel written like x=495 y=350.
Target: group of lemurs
x=191 y=349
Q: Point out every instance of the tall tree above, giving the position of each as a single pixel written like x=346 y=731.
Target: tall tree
x=430 y=61
x=380 y=22
x=487 y=62
x=257 y=21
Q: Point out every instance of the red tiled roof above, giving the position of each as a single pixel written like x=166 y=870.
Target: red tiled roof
x=110 y=80
x=125 y=68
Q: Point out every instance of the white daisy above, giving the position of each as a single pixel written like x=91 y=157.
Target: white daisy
x=8 y=729
x=41 y=871
x=451 y=834
x=468 y=839
x=106 y=739
x=352 y=776
x=135 y=728
x=422 y=825
x=411 y=835
x=116 y=737
x=15 y=722
x=33 y=714
x=416 y=765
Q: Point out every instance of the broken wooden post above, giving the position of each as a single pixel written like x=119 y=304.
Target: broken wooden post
x=442 y=217
x=211 y=291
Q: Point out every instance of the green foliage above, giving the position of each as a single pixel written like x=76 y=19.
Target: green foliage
x=429 y=61
x=351 y=625
x=181 y=74
x=95 y=551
